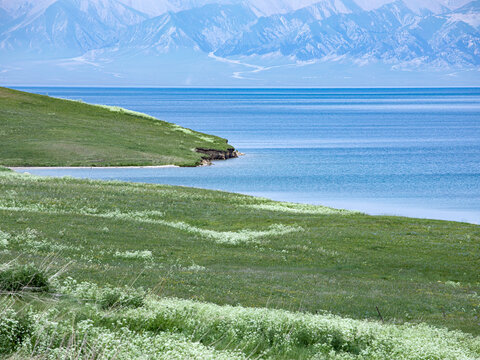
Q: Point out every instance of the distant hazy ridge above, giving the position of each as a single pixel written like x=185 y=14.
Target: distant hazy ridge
x=242 y=38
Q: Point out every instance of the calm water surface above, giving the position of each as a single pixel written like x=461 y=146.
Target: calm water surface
x=412 y=152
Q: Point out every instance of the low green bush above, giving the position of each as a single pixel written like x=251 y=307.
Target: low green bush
x=106 y=297
x=114 y=298
x=14 y=328
x=23 y=277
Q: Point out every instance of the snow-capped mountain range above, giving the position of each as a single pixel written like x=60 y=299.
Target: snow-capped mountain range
x=239 y=36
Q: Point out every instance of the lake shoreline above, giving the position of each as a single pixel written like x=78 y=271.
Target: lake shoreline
x=356 y=205
x=20 y=168
x=212 y=155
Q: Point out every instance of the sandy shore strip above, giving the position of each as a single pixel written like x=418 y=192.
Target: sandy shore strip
x=23 y=168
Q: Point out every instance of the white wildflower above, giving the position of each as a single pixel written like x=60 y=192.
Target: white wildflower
x=194 y=267
x=145 y=254
x=299 y=208
x=151 y=217
x=4 y=237
x=453 y=284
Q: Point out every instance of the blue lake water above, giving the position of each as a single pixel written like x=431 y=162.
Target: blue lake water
x=411 y=152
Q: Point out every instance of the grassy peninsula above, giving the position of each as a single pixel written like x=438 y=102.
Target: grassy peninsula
x=171 y=272
x=38 y=130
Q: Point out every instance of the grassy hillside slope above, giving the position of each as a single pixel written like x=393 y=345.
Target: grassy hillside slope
x=38 y=130
x=233 y=249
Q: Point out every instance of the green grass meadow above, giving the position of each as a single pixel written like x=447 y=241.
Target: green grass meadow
x=298 y=264
x=38 y=130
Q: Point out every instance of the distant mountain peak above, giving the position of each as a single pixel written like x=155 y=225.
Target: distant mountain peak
x=258 y=35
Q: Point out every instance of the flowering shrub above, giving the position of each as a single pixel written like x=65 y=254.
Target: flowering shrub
x=14 y=328
x=115 y=298
x=145 y=254
x=241 y=236
x=106 y=297
x=194 y=267
x=4 y=237
x=299 y=208
x=85 y=340
x=30 y=239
